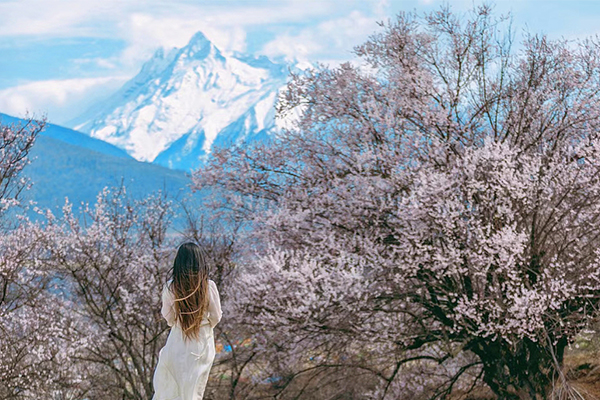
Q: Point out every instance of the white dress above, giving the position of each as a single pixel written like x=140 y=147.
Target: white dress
x=184 y=365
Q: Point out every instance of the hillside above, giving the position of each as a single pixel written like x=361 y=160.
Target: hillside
x=71 y=137
x=60 y=170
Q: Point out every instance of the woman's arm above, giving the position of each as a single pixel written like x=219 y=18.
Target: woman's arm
x=168 y=306
x=214 y=304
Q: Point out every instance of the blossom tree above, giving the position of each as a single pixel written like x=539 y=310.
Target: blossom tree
x=435 y=208
x=80 y=291
x=16 y=141
x=110 y=260
x=30 y=341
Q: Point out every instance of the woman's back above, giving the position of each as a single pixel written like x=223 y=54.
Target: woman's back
x=192 y=307
x=212 y=316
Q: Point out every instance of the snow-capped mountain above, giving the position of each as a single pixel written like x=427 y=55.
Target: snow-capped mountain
x=187 y=100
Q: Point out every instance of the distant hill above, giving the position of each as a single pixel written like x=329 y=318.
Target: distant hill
x=68 y=164
x=72 y=137
x=60 y=170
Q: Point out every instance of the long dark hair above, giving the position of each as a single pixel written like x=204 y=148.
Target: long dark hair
x=190 y=287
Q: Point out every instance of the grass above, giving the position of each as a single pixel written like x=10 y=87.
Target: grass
x=581 y=368
x=582 y=365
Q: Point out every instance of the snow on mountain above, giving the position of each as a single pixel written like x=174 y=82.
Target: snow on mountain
x=187 y=100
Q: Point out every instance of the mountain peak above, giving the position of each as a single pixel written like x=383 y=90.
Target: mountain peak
x=185 y=100
x=199 y=47
x=199 y=38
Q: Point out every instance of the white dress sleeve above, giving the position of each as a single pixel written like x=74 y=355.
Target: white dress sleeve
x=168 y=306
x=214 y=304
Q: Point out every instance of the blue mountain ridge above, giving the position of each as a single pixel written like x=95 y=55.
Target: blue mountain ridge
x=71 y=137
x=78 y=169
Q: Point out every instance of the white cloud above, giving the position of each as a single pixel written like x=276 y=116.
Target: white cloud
x=224 y=25
x=330 y=40
x=381 y=7
x=56 y=18
x=144 y=33
x=62 y=18
x=60 y=100
x=103 y=63
x=145 y=26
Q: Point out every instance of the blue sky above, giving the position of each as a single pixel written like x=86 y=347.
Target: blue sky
x=59 y=56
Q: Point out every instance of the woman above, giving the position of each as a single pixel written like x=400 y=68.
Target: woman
x=192 y=308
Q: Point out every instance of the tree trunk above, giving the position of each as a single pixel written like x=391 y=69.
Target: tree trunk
x=523 y=371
